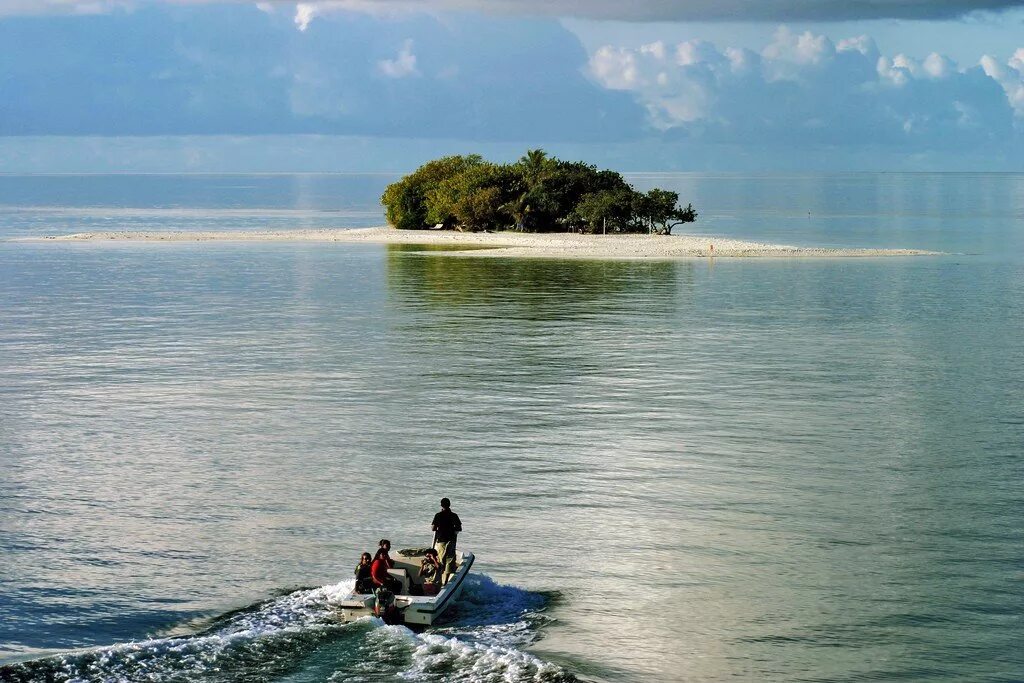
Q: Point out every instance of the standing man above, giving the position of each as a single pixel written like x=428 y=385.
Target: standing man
x=446 y=526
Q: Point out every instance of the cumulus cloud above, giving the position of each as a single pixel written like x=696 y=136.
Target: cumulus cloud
x=1010 y=76
x=805 y=87
x=638 y=10
x=304 y=13
x=401 y=66
x=309 y=67
x=187 y=68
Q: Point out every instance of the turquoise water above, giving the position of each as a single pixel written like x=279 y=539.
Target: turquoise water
x=702 y=470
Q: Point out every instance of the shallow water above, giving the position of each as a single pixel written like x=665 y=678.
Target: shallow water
x=698 y=470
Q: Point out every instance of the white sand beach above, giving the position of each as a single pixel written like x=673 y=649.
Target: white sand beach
x=510 y=244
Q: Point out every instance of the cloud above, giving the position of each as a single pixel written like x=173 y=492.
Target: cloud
x=185 y=69
x=73 y=7
x=304 y=13
x=1010 y=76
x=190 y=68
x=401 y=66
x=638 y=10
x=803 y=88
x=740 y=10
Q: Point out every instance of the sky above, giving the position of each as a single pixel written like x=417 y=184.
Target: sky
x=382 y=85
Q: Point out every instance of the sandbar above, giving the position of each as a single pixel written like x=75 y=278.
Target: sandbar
x=508 y=244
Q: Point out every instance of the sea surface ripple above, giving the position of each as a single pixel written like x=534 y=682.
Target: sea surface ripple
x=702 y=471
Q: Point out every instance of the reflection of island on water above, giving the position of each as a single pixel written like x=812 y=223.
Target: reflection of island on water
x=530 y=332
x=532 y=288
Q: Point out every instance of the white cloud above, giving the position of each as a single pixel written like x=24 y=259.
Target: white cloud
x=74 y=7
x=696 y=52
x=804 y=84
x=790 y=56
x=897 y=71
x=1017 y=61
x=700 y=10
x=1010 y=76
x=862 y=44
x=805 y=48
x=401 y=66
x=638 y=10
x=938 y=66
x=618 y=68
x=304 y=13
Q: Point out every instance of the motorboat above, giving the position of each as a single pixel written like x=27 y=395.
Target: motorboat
x=415 y=609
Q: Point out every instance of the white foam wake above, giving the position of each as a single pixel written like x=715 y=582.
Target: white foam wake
x=300 y=633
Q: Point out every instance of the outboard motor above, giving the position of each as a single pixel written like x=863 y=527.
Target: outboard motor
x=385 y=608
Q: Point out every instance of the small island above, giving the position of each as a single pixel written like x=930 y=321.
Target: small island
x=537 y=193
x=536 y=207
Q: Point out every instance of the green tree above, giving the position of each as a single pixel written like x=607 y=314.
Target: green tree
x=531 y=204
x=403 y=205
x=680 y=216
x=405 y=201
x=480 y=210
x=658 y=212
x=605 y=211
x=534 y=163
x=537 y=193
x=555 y=195
x=476 y=198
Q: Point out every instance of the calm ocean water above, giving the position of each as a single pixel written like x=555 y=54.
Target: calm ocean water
x=785 y=470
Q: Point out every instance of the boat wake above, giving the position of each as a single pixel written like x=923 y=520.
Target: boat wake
x=299 y=637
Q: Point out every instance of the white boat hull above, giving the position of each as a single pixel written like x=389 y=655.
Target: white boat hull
x=422 y=610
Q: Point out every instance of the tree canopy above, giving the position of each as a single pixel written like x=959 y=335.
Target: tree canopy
x=538 y=193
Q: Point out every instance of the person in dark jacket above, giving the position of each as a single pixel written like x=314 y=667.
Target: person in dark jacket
x=364 y=584
x=446 y=526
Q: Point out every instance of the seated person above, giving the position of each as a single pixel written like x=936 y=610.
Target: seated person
x=379 y=573
x=364 y=584
x=430 y=572
x=385 y=547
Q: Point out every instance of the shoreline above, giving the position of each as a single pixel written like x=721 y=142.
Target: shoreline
x=505 y=244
